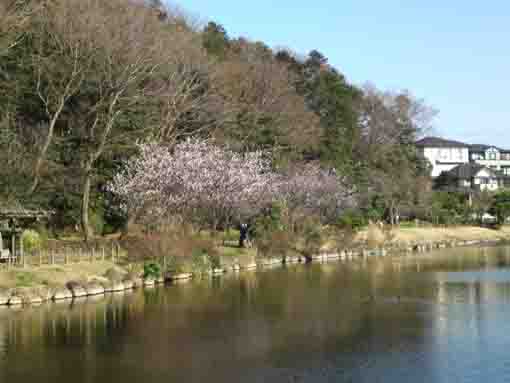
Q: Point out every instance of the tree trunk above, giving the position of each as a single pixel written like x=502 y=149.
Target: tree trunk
x=392 y=214
x=127 y=226
x=85 y=200
x=44 y=149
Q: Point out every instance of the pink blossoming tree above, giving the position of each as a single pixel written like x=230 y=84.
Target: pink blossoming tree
x=197 y=180
x=311 y=190
x=210 y=186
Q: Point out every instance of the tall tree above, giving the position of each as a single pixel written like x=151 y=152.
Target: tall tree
x=264 y=107
x=389 y=125
x=216 y=40
x=333 y=100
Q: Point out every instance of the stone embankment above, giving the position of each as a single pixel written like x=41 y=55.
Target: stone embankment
x=101 y=286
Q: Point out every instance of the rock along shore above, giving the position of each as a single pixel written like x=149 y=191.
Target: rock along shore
x=73 y=289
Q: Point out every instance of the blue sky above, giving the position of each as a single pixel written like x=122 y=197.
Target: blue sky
x=455 y=54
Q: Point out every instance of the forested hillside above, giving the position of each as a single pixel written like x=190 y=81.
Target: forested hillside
x=84 y=82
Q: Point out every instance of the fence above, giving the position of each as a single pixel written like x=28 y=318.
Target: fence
x=66 y=256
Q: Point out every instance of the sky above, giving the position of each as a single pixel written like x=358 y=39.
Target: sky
x=453 y=54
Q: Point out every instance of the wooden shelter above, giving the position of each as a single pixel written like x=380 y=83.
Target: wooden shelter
x=13 y=219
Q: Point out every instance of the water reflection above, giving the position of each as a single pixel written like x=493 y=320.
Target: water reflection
x=424 y=319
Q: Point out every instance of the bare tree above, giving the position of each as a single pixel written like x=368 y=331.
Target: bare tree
x=393 y=118
x=258 y=92
x=140 y=65
x=389 y=125
x=15 y=17
x=60 y=62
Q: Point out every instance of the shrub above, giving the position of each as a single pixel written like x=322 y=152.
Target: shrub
x=351 y=220
x=97 y=221
x=113 y=274
x=313 y=238
x=230 y=235
x=172 y=243
x=501 y=206
x=376 y=235
x=339 y=239
x=151 y=270
x=271 y=235
x=31 y=240
x=200 y=262
x=215 y=261
x=134 y=270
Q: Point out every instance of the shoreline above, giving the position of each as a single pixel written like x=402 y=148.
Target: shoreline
x=102 y=286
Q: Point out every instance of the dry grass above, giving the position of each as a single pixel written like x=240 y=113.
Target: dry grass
x=52 y=275
x=464 y=233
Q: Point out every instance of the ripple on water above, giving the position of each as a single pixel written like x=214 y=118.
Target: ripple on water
x=445 y=319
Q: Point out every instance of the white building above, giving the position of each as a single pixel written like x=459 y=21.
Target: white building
x=490 y=165
x=474 y=176
x=443 y=154
x=491 y=156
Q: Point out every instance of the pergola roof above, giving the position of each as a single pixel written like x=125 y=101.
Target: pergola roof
x=17 y=211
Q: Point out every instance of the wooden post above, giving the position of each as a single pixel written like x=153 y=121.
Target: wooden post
x=52 y=255
x=102 y=255
x=92 y=254
x=21 y=253
x=13 y=246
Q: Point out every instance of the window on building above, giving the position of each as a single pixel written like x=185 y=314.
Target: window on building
x=492 y=154
x=444 y=154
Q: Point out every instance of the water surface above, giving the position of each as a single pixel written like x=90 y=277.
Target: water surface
x=443 y=317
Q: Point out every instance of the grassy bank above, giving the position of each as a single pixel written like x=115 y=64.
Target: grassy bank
x=436 y=234
x=53 y=276
x=59 y=275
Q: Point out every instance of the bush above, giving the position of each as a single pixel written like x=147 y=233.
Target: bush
x=151 y=270
x=340 y=238
x=271 y=235
x=200 y=262
x=230 y=235
x=273 y=243
x=449 y=208
x=97 y=221
x=114 y=274
x=172 y=243
x=313 y=237
x=352 y=220
x=269 y=222
x=376 y=235
x=215 y=261
x=501 y=206
x=31 y=240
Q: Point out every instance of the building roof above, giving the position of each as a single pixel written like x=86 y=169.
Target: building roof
x=14 y=209
x=483 y=148
x=468 y=171
x=438 y=142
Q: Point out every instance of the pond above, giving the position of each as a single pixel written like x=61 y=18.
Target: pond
x=440 y=317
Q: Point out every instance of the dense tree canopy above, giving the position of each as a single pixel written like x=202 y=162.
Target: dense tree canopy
x=84 y=82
